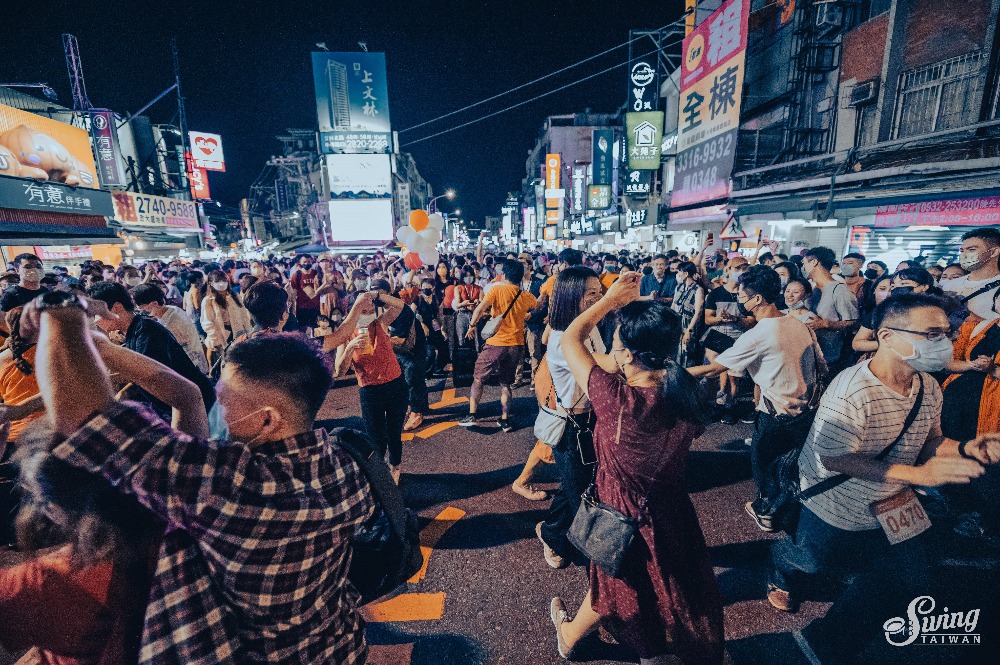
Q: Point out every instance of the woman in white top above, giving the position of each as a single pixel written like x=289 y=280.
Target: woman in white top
x=797 y=293
x=574 y=291
x=223 y=316
x=151 y=299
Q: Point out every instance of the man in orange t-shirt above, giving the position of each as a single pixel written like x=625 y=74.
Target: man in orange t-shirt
x=504 y=351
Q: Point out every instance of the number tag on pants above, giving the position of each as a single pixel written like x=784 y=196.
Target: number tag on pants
x=901 y=516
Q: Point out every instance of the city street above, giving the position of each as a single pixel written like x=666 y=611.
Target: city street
x=485 y=596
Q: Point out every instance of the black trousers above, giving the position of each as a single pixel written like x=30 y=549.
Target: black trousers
x=574 y=478
x=437 y=351
x=384 y=409
x=414 y=371
x=773 y=437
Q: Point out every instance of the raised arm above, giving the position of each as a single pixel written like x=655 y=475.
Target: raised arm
x=580 y=358
x=393 y=306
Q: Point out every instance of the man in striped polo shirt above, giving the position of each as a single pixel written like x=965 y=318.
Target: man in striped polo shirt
x=866 y=410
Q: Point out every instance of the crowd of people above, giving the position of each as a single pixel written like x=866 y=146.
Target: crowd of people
x=172 y=500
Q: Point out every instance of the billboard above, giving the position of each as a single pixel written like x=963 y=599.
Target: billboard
x=358 y=221
x=352 y=102
x=643 y=139
x=206 y=149
x=603 y=141
x=359 y=176
x=44 y=150
x=553 y=166
x=198 y=179
x=598 y=197
x=709 y=108
x=156 y=211
x=105 y=133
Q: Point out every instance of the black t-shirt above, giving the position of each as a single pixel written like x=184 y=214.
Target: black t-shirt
x=147 y=336
x=717 y=295
x=401 y=325
x=18 y=296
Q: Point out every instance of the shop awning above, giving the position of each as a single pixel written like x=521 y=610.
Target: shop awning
x=289 y=245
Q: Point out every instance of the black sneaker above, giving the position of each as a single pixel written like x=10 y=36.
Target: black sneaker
x=468 y=421
x=505 y=425
x=763 y=521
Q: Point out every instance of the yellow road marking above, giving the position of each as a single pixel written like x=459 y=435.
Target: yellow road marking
x=448 y=398
x=436 y=428
x=407 y=607
x=390 y=654
x=431 y=534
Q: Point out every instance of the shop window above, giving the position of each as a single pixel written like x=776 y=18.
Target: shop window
x=940 y=96
x=871 y=8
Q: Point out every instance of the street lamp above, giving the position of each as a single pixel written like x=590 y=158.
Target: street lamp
x=449 y=194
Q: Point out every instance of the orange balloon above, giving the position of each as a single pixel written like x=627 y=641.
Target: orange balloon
x=419 y=220
x=412 y=261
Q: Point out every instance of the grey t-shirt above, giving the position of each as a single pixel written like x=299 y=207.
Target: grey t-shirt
x=835 y=302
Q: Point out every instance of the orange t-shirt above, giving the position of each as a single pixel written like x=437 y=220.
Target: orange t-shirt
x=546 y=288
x=379 y=366
x=510 y=332
x=17 y=388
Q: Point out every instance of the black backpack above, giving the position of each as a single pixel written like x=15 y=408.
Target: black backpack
x=386 y=547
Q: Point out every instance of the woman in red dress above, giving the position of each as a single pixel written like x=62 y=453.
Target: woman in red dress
x=665 y=601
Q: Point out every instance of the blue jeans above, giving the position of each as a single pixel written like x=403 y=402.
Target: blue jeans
x=886 y=578
x=574 y=478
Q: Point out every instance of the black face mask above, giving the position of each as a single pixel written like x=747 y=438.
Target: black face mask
x=427 y=292
x=743 y=309
x=901 y=290
x=647 y=271
x=871 y=273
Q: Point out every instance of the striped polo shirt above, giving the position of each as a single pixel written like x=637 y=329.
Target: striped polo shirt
x=860 y=414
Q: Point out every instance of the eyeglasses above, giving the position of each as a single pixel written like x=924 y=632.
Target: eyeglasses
x=929 y=335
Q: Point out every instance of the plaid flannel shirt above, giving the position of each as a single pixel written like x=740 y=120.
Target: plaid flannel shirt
x=253 y=566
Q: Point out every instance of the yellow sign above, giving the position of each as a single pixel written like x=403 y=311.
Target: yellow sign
x=712 y=106
x=695 y=52
x=45 y=150
x=553 y=165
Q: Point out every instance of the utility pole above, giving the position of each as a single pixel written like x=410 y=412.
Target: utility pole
x=181 y=117
x=74 y=66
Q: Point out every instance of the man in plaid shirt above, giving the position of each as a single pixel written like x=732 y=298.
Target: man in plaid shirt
x=253 y=566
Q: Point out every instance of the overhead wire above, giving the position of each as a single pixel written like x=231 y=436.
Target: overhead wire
x=539 y=79
x=537 y=97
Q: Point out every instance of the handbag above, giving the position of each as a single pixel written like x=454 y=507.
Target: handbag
x=601 y=532
x=490 y=329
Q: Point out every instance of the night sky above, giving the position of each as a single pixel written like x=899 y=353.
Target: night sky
x=246 y=71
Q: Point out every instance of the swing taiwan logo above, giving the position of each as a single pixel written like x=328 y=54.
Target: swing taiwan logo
x=923 y=626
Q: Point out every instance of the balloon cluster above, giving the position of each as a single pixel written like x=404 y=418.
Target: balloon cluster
x=420 y=239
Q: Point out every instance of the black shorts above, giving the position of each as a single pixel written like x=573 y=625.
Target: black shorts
x=497 y=365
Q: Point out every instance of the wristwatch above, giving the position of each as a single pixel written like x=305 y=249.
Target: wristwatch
x=53 y=300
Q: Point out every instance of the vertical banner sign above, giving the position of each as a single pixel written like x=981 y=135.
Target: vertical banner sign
x=352 y=102
x=105 y=134
x=643 y=96
x=579 y=183
x=553 y=165
x=709 y=108
x=690 y=8
x=198 y=178
x=643 y=140
x=603 y=144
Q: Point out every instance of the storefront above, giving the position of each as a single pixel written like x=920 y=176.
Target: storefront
x=156 y=227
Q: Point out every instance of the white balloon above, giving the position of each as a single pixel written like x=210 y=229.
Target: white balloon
x=406 y=236
x=430 y=237
x=429 y=256
x=436 y=221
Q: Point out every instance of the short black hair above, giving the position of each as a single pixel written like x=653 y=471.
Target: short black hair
x=672 y=254
x=855 y=255
x=111 y=293
x=288 y=362
x=762 y=281
x=824 y=255
x=766 y=256
x=881 y=264
x=381 y=285
x=567 y=292
x=571 y=257
x=793 y=270
x=916 y=274
x=661 y=256
x=267 y=303
x=146 y=294
x=513 y=270
x=987 y=233
x=895 y=310
x=24 y=257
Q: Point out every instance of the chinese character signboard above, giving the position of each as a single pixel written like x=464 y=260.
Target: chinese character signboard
x=637 y=183
x=709 y=108
x=599 y=197
x=951 y=212
x=602 y=160
x=579 y=183
x=643 y=139
x=198 y=179
x=45 y=152
x=134 y=209
x=352 y=102
x=643 y=90
x=105 y=133
x=22 y=194
x=553 y=165
x=206 y=149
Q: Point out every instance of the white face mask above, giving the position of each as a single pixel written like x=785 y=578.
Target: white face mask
x=972 y=260
x=366 y=320
x=848 y=270
x=220 y=286
x=133 y=281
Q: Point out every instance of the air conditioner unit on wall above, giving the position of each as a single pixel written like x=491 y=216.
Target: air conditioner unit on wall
x=829 y=15
x=863 y=93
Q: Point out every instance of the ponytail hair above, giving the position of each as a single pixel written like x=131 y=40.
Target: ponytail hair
x=652 y=332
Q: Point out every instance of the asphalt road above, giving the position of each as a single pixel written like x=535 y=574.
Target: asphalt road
x=489 y=565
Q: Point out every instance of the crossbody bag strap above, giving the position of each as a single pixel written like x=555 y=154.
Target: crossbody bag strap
x=511 y=305
x=989 y=287
x=841 y=478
